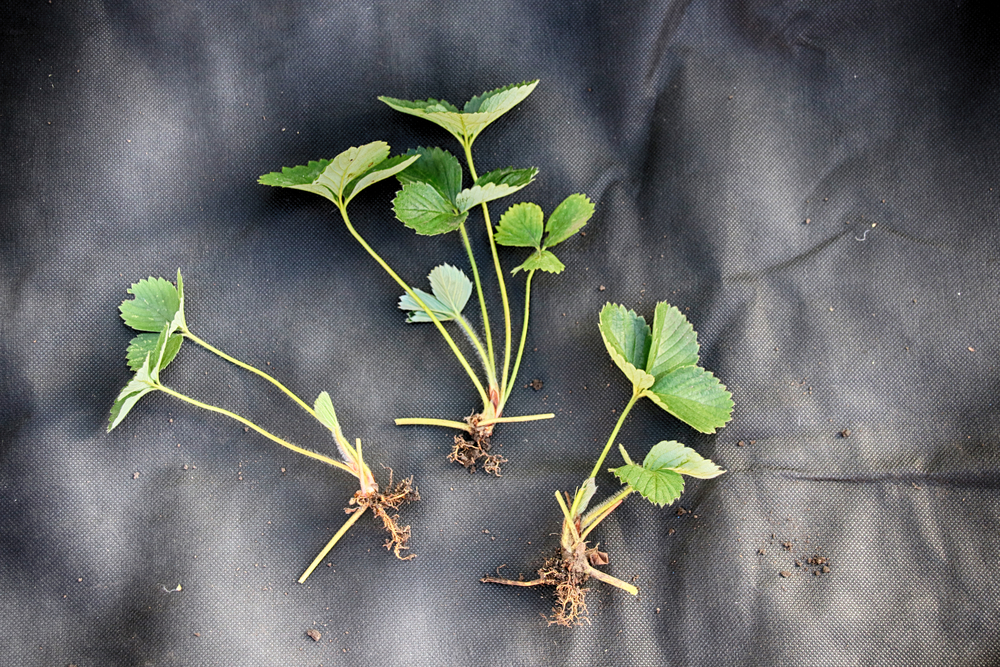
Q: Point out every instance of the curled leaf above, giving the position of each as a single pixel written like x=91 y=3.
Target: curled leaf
x=627 y=339
x=569 y=217
x=659 y=478
x=141 y=384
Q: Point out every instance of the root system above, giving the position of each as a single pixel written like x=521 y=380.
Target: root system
x=470 y=453
x=384 y=506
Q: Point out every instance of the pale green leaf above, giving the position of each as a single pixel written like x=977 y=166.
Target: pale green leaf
x=381 y=171
x=145 y=344
x=672 y=455
x=569 y=217
x=439 y=112
x=674 y=341
x=627 y=338
x=350 y=164
x=435 y=167
x=521 y=226
x=494 y=185
x=589 y=489
x=155 y=305
x=451 y=286
x=694 y=396
x=141 y=384
x=416 y=312
x=541 y=260
x=423 y=209
x=302 y=177
x=328 y=416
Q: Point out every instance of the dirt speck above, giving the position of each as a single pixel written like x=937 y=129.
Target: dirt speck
x=846 y=433
x=314 y=634
x=785 y=574
x=536 y=384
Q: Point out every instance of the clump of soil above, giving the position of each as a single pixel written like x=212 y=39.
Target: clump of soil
x=470 y=453
x=314 y=634
x=382 y=504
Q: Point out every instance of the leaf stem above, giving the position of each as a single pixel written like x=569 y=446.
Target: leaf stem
x=603 y=511
x=614 y=581
x=430 y=421
x=214 y=350
x=499 y=271
x=489 y=359
x=333 y=540
x=520 y=418
x=524 y=337
x=413 y=295
x=266 y=434
x=607 y=448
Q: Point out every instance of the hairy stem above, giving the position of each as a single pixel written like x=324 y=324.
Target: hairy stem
x=524 y=337
x=518 y=419
x=603 y=511
x=266 y=434
x=607 y=448
x=333 y=540
x=413 y=295
x=488 y=358
x=214 y=350
x=499 y=271
x=430 y=421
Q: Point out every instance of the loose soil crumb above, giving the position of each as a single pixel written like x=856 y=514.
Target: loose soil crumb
x=314 y=634
x=536 y=384
x=477 y=451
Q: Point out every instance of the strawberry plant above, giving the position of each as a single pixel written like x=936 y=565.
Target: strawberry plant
x=661 y=362
x=157 y=310
x=433 y=200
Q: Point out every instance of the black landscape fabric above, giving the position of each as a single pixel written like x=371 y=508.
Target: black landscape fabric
x=813 y=184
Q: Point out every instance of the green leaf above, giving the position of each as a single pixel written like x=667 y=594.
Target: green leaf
x=302 y=177
x=328 y=416
x=423 y=209
x=145 y=344
x=541 y=259
x=627 y=338
x=350 y=164
x=141 y=384
x=452 y=289
x=694 y=396
x=155 y=305
x=383 y=170
x=521 y=226
x=589 y=489
x=674 y=341
x=494 y=185
x=568 y=218
x=659 y=479
x=435 y=167
x=478 y=112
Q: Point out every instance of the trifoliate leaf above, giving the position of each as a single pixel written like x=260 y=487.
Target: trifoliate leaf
x=568 y=218
x=337 y=179
x=145 y=344
x=302 y=177
x=479 y=112
x=141 y=384
x=694 y=396
x=494 y=185
x=155 y=305
x=674 y=341
x=541 y=259
x=627 y=338
x=659 y=479
x=423 y=209
x=521 y=226
x=379 y=172
x=452 y=289
x=435 y=167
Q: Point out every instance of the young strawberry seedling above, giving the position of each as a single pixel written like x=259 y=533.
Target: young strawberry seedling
x=432 y=201
x=661 y=363
x=158 y=310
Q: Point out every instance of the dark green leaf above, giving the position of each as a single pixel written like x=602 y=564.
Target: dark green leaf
x=436 y=167
x=521 y=226
x=155 y=305
x=381 y=171
x=659 y=487
x=674 y=341
x=423 y=209
x=494 y=185
x=627 y=338
x=541 y=260
x=694 y=396
x=144 y=345
x=568 y=218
